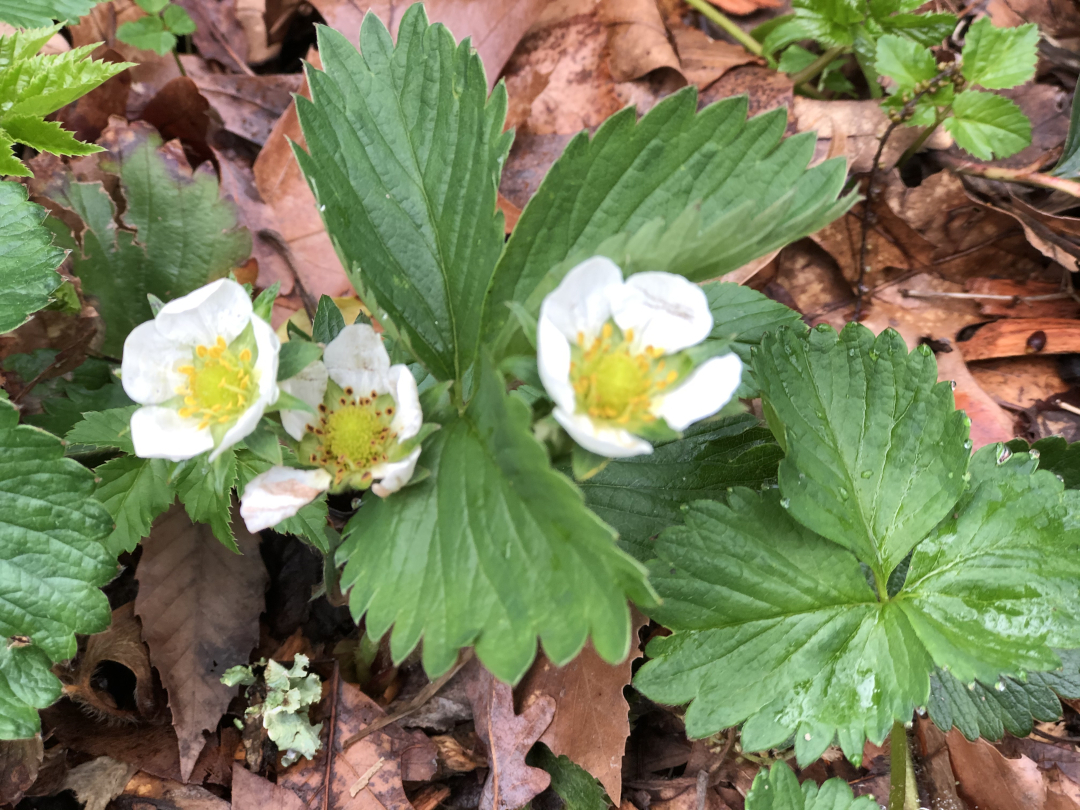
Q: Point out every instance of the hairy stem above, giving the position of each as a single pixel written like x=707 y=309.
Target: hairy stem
x=814 y=68
x=903 y=792
x=715 y=15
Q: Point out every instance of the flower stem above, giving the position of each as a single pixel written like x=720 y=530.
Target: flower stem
x=814 y=68
x=176 y=56
x=716 y=16
x=903 y=792
x=1025 y=177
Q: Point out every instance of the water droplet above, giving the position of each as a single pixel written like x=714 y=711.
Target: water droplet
x=850 y=352
x=967 y=421
x=967 y=444
x=866 y=473
x=952 y=384
x=785 y=502
x=843 y=494
x=1003 y=455
x=1033 y=452
x=1000 y=686
x=322 y=207
x=823 y=327
x=950 y=475
x=808 y=737
x=971 y=686
x=924 y=350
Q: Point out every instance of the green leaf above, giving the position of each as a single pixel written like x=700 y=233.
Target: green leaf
x=643 y=495
x=777 y=627
x=296 y=355
x=876 y=453
x=744 y=316
x=494 y=548
x=34 y=13
x=178 y=21
x=91 y=386
x=179 y=236
x=1008 y=705
x=28 y=258
x=328 y=321
x=1056 y=455
x=52 y=564
x=46 y=136
x=998 y=58
x=309 y=523
x=147 y=33
x=905 y=62
x=795 y=58
x=751 y=188
x=986 y=125
x=10 y=166
x=404 y=156
x=205 y=489
x=1069 y=163
x=776 y=788
x=578 y=789
x=152 y=6
x=108 y=429
x=135 y=491
x=925 y=29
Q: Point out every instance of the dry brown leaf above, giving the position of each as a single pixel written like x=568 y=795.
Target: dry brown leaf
x=1018 y=383
x=507 y=738
x=637 y=39
x=252 y=792
x=592 y=718
x=367 y=774
x=121 y=645
x=937 y=772
x=20 y=761
x=89 y=116
x=1016 y=337
x=1055 y=18
x=99 y=781
x=742 y=7
x=990 y=422
x=989 y=781
x=218 y=33
x=200 y=605
x=496 y=26
x=249 y=106
x=703 y=60
x=153 y=791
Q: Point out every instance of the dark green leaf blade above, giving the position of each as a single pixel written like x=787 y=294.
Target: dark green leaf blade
x=776 y=788
x=493 y=548
x=404 y=152
x=108 y=429
x=28 y=258
x=34 y=13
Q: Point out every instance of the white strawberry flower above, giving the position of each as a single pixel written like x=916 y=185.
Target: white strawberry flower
x=609 y=353
x=366 y=431
x=204 y=370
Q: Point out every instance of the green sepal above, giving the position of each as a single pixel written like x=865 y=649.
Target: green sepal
x=328 y=321
x=295 y=356
x=263 y=306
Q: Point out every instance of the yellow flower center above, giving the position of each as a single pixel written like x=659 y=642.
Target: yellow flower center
x=354 y=436
x=614 y=383
x=220 y=384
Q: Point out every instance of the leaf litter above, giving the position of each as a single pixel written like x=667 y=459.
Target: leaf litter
x=955 y=258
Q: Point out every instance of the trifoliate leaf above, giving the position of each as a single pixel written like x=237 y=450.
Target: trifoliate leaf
x=778 y=627
x=876 y=453
x=980 y=710
x=998 y=58
x=147 y=33
x=748 y=187
x=494 y=548
x=108 y=429
x=988 y=125
x=643 y=495
x=135 y=491
x=28 y=258
x=777 y=788
x=177 y=20
x=404 y=155
x=905 y=62
x=52 y=564
x=180 y=235
x=34 y=13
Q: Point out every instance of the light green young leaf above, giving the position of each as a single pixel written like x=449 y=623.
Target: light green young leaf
x=777 y=627
x=925 y=29
x=776 y=788
x=151 y=6
x=46 y=136
x=148 y=33
x=35 y=13
x=52 y=565
x=108 y=429
x=177 y=20
x=135 y=491
x=988 y=125
x=28 y=258
x=184 y=235
x=494 y=548
x=404 y=156
x=876 y=453
x=998 y=58
x=904 y=61
x=751 y=189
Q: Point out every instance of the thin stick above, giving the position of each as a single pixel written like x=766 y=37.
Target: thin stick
x=1025 y=177
x=1016 y=299
x=815 y=67
x=335 y=687
x=860 y=286
x=714 y=14
x=426 y=694
x=1065 y=406
x=1069 y=741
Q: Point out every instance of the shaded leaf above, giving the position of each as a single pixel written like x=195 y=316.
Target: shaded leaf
x=777 y=788
x=28 y=259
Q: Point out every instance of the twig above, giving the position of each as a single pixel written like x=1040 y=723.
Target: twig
x=860 y=286
x=1025 y=177
x=1016 y=299
x=335 y=687
x=1069 y=741
x=277 y=241
x=815 y=67
x=426 y=694
x=1065 y=406
x=715 y=15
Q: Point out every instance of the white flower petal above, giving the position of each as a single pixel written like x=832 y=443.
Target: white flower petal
x=221 y=308
x=553 y=363
x=665 y=311
x=279 y=493
x=266 y=364
x=394 y=474
x=310 y=386
x=162 y=433
x=708 y=388
x=356 y=358
x=408 y=416
x=148 y=371
x=582 y=301
x=604 y=441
